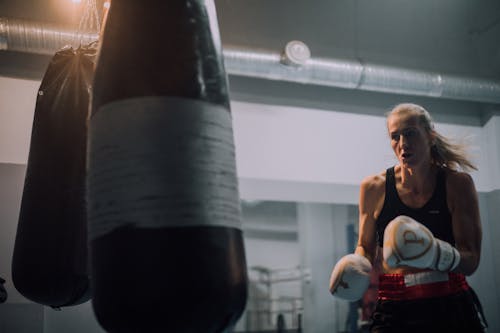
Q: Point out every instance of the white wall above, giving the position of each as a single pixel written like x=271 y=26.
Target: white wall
x=17 y=104
x=304 y=145
x=292 y=144
x=11 y=187
x=491 y=139
x=323 y=241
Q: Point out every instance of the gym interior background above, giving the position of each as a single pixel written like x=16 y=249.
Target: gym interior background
x=306 y=134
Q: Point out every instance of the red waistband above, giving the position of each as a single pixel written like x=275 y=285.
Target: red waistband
x=394 y=287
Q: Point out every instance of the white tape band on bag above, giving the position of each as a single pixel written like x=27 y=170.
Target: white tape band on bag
x=159 y=162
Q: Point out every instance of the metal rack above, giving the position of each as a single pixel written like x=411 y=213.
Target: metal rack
x=267 y=308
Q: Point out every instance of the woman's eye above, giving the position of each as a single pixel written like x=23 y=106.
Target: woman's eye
x=409 y=133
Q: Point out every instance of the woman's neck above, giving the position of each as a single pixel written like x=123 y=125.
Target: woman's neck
x=418 y=179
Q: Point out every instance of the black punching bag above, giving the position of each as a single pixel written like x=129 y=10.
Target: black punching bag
x=3 y=292
x=165 y=235
x=50 y=262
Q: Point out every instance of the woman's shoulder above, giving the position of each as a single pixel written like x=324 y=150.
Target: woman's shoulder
x=459 y=186
x=458 y=179
x=372 y=194
x=374 y=182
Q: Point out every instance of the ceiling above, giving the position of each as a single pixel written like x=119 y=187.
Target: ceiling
x=458 y=37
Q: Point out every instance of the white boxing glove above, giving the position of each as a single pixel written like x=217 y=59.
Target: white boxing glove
x=409 y=243
x=350 y=277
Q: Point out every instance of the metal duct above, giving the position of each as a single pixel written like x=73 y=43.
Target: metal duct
x=41 y=38
x=355 y=75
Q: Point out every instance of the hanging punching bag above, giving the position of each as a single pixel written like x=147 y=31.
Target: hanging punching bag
x=49 y=264
x=3 y=292
x=165 y=233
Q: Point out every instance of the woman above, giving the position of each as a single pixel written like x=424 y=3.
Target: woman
x=427 y=186
x=421 y=219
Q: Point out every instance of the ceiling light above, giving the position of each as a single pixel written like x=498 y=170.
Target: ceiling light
x=296 y=53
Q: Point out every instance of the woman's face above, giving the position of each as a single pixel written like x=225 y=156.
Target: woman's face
x=409 y=140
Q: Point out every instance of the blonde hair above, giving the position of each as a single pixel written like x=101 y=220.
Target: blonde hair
x=444 y=152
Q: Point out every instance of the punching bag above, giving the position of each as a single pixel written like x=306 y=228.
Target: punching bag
x=165 y=234
x=3 y=292
x=50 y=262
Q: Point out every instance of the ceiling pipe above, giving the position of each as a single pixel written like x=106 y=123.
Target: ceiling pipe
x=356 y=75
x=41 y=38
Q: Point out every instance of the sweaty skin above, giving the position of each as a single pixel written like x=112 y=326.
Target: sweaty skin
x=415 y=182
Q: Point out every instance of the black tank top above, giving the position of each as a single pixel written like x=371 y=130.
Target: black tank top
x=434 y=214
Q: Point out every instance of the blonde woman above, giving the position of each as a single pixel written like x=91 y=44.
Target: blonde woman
x=421 y=218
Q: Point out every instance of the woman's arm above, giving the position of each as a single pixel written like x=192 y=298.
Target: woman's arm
x=371 y=198
x=466 y=221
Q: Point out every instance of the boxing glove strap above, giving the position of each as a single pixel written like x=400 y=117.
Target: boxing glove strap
x=420 y=285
